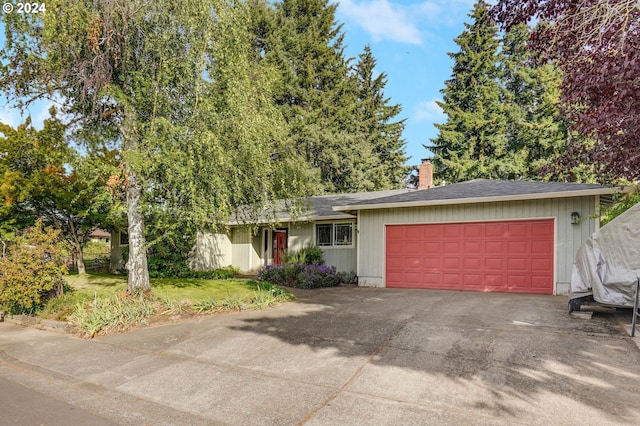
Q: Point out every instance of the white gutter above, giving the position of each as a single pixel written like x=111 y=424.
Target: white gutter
x=336 y=216
x=495 y=198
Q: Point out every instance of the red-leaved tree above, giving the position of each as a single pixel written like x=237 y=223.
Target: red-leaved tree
x=596 y=44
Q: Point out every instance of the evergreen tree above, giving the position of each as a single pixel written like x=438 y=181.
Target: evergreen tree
x=336 y=114
x=536 y=132
x=374 y=118
x=317 y=95
x=472 y=143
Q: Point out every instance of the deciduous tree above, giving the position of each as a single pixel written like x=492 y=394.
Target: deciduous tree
x=42 y=181
x=596 y=44
x=141 y=75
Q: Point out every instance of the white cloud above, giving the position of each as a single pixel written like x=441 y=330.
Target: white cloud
x=402 y=22
x=9 y=116
x=429 y=111
x=382 y=19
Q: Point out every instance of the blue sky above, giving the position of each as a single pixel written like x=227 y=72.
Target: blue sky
x=409 y=39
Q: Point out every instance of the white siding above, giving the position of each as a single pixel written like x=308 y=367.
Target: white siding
x=344 y=259
x=568 y=237
x=300 y=235
x=211 y=251
x=245 y=249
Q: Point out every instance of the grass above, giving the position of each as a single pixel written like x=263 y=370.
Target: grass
x=167 y=288
x=98 y=304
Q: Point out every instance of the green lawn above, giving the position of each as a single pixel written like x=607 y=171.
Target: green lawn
x=99 y=304
x=176 y=289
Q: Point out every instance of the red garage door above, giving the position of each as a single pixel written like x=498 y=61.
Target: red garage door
x=514 y=256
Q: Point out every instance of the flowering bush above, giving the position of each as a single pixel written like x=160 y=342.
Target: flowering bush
x=301 y=276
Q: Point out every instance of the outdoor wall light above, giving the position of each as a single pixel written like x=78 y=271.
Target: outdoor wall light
x=575 y=218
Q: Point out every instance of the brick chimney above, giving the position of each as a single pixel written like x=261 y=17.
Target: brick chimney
x=425 y=174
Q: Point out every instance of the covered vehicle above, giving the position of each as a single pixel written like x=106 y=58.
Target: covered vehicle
x=607 y=266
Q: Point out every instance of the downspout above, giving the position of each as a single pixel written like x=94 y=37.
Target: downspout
x=358 y=243
x=250 y=243
x=598 y=213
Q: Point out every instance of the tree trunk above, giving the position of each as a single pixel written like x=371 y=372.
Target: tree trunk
x=79 y=258
x=77 y=249
x=116 y=262
x=138 y=279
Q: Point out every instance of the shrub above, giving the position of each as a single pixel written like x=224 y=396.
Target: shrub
x=349 y=277
x=224 y=273
x=117 y=313
x=301 y=276
x=309 y=255
x=32 y=273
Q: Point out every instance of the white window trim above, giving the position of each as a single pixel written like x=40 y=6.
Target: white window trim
x=333 y=233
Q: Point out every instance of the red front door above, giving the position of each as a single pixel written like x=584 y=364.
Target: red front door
x=279 y=245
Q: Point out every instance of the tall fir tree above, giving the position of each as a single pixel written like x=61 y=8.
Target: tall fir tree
x=318 y=94
x=375 y=119
x=316 y=97
x=537 y=132
x=472 y=143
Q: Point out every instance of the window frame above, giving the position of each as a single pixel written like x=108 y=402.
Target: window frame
x=334 y=229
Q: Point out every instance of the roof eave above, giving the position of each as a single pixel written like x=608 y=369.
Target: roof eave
x=338 y=216
x=474 y=200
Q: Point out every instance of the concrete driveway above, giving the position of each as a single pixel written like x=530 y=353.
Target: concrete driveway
x=347 y=355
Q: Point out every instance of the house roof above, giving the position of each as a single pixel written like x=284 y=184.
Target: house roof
x=319 y=207
x=100 y=233
x=480 y=191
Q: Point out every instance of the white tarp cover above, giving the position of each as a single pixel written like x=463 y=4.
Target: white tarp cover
x=607 y=265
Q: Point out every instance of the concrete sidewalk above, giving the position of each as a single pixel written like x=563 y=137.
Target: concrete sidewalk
x=347 y=356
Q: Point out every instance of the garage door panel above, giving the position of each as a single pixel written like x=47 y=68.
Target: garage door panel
x=517 y=264
x=518 y=230
x=452 y=263
x=494 y=247
x=541 y=229
x=495 y=230
x=416 y=247
x=432 y=262
x=471 y=280
x=541 y=247
x=494 y=264
x=510 y=256
x=472 y=247
x=432 y=232
x=449 y=247
x=453 y=231
x=541 y=265
x=432 y=248
x=493 y=280
x=473 y=263
x=518 y=247
x=473 y=231
x=450 y=280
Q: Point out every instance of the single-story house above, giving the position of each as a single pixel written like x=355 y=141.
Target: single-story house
x=481 y=235
x=100 y=236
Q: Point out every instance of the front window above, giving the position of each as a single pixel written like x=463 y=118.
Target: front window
x=343 y=234
x=324 y=235
x=334 y=234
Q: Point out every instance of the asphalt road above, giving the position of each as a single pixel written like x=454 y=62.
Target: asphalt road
x=23 y=406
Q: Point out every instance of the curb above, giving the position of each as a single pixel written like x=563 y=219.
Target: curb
x=39 y=323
